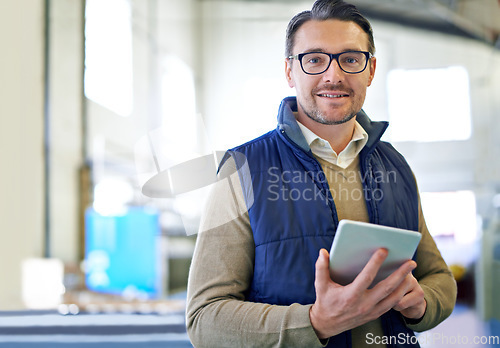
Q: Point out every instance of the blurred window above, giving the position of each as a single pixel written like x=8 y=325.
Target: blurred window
x=108 y=54
x=451 y=214
x=178 y=100
x=429 y=104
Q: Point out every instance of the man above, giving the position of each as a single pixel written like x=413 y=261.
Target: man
x=259 y=275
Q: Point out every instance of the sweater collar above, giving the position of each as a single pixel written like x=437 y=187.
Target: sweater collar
x=288 y=125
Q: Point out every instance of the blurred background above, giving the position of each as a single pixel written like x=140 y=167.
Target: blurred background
x=99 y=96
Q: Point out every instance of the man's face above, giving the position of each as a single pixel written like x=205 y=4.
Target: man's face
x=333 y=97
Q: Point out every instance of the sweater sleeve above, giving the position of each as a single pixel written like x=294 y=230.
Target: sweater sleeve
x=435 y=278
x=220 y=275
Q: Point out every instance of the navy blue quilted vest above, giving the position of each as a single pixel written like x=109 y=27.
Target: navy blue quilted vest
x=293 y=215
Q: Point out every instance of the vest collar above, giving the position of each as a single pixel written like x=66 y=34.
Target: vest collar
x=288 y=125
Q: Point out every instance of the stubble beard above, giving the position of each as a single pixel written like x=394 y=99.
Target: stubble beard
x=316 y=115
x=319 y=117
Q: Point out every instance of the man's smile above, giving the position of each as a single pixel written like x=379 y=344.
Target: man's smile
x=331 y=92
x=330 y=95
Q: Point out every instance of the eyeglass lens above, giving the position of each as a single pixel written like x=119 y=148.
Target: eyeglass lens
x=317 y=63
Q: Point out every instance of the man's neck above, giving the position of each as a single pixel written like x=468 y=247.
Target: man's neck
x=338 y=135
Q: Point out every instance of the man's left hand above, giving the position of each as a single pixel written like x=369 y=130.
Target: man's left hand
x=413 y=304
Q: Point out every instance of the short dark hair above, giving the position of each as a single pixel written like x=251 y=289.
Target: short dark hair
x=328 y=9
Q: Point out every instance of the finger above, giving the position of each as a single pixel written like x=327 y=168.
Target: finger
x=415 y=311
x=407 y=301
x=391 y=298
x=394 y=287
x=322 y=271
x=365 y=278
x=411 y=305
x=410 y=298
x=414 y=295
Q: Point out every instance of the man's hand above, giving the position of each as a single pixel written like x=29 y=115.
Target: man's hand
x=339 y=308
x=413 y=304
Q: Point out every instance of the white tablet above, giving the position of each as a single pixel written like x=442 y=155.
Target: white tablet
x=355 y=242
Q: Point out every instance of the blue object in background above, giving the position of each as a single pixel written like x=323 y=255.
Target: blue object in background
x=121 y=253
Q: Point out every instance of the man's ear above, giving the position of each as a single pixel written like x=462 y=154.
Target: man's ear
x=288 y=73
x=372 y=65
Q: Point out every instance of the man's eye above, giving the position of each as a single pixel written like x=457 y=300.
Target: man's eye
x=315 y=60
x=350 y=60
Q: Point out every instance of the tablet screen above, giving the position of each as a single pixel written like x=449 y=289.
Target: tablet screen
x=355 y=242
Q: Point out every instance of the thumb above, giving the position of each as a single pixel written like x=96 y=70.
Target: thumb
x=322 y=271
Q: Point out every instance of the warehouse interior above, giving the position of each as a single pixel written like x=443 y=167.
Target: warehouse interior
x=100 y=97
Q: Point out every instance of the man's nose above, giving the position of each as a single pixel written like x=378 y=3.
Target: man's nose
x=334 y=73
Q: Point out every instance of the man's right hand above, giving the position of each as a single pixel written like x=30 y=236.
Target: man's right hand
x=339 y=308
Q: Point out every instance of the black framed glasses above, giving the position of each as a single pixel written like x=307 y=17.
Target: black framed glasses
x=315 y=63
